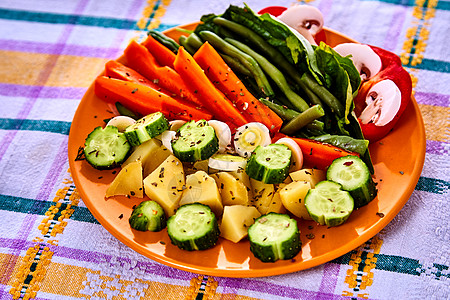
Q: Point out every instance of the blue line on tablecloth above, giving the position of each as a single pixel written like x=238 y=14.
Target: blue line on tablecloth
x=54 y=18
x=61 y=127
x=442 y=5
x=40 y=207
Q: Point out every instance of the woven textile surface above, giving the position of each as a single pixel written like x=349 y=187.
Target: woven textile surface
x=51 y=246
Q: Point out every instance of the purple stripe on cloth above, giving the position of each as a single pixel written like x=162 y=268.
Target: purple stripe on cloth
x=55 y=170
x=393 y=35
x=329 y=278
x=28 y=91
x=432 y=99
x=436 y=147
x=47 y=48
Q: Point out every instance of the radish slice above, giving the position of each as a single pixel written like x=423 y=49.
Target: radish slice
x=166 y=139
x=297 y=154
x=226 y=162
x=250 y=136
x=223 y=133
x=176 y=124
x=121 y=122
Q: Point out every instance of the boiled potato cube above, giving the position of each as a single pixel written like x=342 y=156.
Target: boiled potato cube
x=165 y=184
x=243 y=177
x=202 y=188
x=128 y=181
x=151 y=153
x=236 y=220
x=313 y=176
x=262 y=194
x=293 y=198
x=231 y=190
x=276 y=205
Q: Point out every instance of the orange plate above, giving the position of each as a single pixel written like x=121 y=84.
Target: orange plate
x=398 y=161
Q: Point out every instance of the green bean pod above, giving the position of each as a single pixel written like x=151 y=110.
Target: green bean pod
x=303 y=119
x=250 y=63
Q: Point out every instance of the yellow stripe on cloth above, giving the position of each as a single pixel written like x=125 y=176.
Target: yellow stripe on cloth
x=64 y=70
x=436 y=120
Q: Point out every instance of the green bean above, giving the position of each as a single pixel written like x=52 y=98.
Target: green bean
x=165 y=40
x=276 y=75
x=303 y=119
x=324 y=94
x=194 y=40
x=281 y=110
x=235 y=65
x=250 y=63
x=275 y=56
x=183 y=42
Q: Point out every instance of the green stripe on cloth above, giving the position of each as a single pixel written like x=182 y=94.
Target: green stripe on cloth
x=61 y=127
x=432 y=185
x=39 y=207
x=53 y=18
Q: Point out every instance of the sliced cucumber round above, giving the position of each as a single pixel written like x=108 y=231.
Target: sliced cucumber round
x=269 y=164
x=146 y=128
x=148 y=215
x=193 y=227
x=274 y=236
x=328 y=204
x=354 y=176
x=106 y=148
x=227 y=162
x=195 y=140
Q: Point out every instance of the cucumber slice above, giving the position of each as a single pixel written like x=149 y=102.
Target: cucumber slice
x=146 y=128
x=106 y=148
x=328 y=204
x=226 y=162
x=269 y=164
x=193 y=227
x=354 y=176
x=195 y=140
x=148 y=215
x=274 y=236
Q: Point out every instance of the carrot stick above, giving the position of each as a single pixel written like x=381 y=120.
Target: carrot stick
x=163 y=55
x=144 y=100
x=217 y=103
x=115 y=69
x=143 y=62
x=317 y=154
x=228 y=83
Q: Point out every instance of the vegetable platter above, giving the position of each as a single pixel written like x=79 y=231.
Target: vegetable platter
x=397 y=157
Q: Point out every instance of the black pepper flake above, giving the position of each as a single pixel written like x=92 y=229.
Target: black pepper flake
x=100 y=177
x=134 y=91
x=121 y=216
x=310 y=236
x=132 y=193
x=310 y=227
x=381 y=215
x=162 y=242
x=401 y=172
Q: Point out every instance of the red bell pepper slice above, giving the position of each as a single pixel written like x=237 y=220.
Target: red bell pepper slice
x=391 y=69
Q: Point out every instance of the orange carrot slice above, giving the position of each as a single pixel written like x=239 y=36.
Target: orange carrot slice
x=144 y=100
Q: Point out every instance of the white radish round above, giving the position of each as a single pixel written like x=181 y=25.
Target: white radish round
x=297 y=154
x=121 y=122
x=166 y=139
x=227 y=162
x=176 y=124
x=223 y=133
x=250 y=136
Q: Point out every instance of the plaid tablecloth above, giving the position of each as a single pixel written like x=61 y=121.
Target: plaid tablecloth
x=51 y=247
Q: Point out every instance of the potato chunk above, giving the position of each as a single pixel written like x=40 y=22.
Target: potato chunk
x=128 y=182
x=262 y=195
x=232 y=190
x=313 y=176
x=166 y=183
x=202 y=188
x=235 y=221
x=293 y=198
